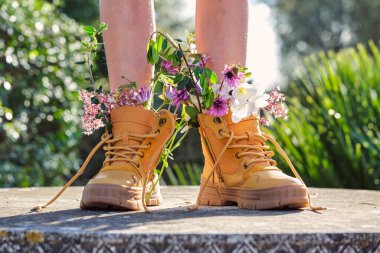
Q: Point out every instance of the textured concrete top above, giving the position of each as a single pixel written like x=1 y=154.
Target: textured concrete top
x=348 y=211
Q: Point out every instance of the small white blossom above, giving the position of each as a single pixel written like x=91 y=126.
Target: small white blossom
x=248 y=99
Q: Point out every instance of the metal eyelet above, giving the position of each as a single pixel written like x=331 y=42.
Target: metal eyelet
x=217 y=120
x=157 y=131
x=245 y=165
x=162 y=121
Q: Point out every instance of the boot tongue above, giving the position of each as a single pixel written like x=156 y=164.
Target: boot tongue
x=248 y=126
x=130 y=119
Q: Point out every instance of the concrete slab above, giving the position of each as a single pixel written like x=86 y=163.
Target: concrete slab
x=351 y=223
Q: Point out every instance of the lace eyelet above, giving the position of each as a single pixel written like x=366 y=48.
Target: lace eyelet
x=142 y=156
x=221 y=131
x=237 y=156
x=217 y=120
x=149 y=144
x=157 y=131
x=162 y=121
x=245 y=165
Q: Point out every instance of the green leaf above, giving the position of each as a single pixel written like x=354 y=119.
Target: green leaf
x=103 y=107
x=155 y=55
x=90 y=30
x=191 y=111
x=158 y=44
x=100 y=89
x=149 y=53
x=209 y=98
x=80 y=62
x=158 y=88
x=178 y=78
x=164 y=45
x=102 y=27
x=213 y=78
x=183 y=83
x=94 y=100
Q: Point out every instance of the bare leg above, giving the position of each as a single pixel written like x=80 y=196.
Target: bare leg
x=221 y=28
x=130 y=24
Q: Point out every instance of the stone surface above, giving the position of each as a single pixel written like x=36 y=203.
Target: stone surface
x=350 y=224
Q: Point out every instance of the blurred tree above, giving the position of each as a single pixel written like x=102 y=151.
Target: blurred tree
x=305 y=27
x=39 y=108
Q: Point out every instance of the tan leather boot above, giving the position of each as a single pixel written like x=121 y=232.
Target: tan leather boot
x=239 y=168
x=132 y=152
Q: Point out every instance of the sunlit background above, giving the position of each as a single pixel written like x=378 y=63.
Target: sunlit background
x=262 y=42
x=323 y=54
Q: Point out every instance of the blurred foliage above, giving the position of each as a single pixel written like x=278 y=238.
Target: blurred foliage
x=39 y=134
x=305 y=27
x=333 y=131
x=182 y=174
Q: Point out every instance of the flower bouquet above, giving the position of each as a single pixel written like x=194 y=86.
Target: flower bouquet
x=183 y=84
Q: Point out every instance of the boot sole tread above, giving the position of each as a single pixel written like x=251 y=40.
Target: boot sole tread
x=116 y=197
x=285 y=197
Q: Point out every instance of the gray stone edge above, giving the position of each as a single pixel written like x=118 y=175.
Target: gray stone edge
x=26 y=240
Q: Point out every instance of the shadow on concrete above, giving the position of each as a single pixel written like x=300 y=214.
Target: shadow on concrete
x=85 y=220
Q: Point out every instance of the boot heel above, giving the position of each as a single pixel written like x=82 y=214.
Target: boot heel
x=211 y=196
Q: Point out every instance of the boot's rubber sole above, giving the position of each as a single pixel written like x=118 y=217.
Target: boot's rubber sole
x=117 y=197
x=286 y=197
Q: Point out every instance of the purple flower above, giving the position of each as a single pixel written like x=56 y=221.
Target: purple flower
x=170 y=93
x=219 y=108
x=181 y=95
x=143 y=95
x=232 y=76
x=169 y=68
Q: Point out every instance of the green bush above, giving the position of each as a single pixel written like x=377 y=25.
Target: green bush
x=333 y=131
x=40 y=132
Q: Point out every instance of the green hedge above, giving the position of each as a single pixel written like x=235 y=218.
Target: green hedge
x=39 y=135
x=333 y=131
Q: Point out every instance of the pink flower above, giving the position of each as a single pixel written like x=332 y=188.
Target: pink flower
x=181 y=95
x=232 y=76
x=276 y=105
x=126 y=97
x=90 y=119
x=169 y=68
x=264 y=121
x=219 y=108
x=203 y=60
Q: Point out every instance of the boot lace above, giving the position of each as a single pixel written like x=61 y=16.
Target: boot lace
x=113 y=153
x=257 y=153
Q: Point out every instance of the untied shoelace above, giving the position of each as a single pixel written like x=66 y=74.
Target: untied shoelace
x=113 y=153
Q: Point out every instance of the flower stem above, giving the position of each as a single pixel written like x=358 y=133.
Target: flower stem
x=192 y=78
